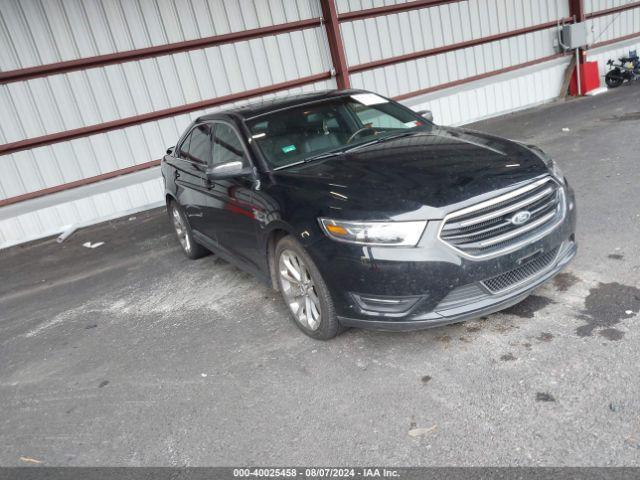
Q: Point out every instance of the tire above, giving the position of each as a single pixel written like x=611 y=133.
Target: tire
x=181 y=226
x=308 y=297
x=613 y=79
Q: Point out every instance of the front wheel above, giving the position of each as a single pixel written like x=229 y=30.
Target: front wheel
x=613 y=78
x=305 y=292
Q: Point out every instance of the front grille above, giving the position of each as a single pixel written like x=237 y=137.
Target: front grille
x=518 y=275
x=487 y=228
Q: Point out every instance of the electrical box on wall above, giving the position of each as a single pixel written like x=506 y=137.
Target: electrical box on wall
x=574 y=35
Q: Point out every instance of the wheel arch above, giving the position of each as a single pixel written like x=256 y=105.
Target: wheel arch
x=168 y=198
x=272 y=237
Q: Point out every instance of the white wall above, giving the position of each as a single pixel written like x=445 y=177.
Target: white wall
x=42 y=222
x=56 y=103
x=36 y=32
x=496 y=95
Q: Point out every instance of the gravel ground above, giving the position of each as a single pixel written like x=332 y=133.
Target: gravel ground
x=129 y=354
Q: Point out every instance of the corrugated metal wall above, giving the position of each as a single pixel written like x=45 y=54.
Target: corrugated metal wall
x=607 y=28
x=357 y=5
x=494 y=96
x=598 y=5
x=407 y=32
x=401 y=33
x=428 y=28
x=78 y=99
x=38 y=32
x=35 y=169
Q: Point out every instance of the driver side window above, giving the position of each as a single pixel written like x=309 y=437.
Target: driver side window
x=197 y=146
x=227 y=146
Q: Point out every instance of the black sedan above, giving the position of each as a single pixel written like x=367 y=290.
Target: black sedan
x=365 y=213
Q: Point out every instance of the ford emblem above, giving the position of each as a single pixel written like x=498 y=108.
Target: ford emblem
x=521 y=217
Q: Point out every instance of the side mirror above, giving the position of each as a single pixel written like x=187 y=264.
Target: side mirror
x=170 y=150
x=227 y=170
x=428 y=114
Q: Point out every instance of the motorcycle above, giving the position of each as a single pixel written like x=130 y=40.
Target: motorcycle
x=628 y=69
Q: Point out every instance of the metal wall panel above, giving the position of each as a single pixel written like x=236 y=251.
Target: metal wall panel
x=36 y=32
x=406 y=32
x=494 y=95
x=64 y=162
x=440 y=69
x=52 y=220
x=77 y=99
x=609 y=27
x=597 y=5
x=355 y=5
x=43 y=31
x=49 y=221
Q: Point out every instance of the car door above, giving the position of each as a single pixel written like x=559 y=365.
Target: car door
x=192 y=157
x=232 y=211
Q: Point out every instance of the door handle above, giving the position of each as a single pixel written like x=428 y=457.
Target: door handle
x=176 y=174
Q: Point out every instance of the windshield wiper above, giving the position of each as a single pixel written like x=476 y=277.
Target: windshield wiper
x=379 y=140
x=319 y=156
x=340 y=151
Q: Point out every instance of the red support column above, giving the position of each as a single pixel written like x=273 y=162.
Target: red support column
x=338 y=57
x=576 y=7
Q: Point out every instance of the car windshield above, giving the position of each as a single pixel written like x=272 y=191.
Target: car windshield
x=297 y=134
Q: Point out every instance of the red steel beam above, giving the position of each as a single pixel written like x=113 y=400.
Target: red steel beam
x=157 y=115
x=138 y=54
x=336 y=47
x=576 y=9
x=449 y=48
x=609 y=11
x=389 y=9
x=492 y=73
x=78 y=183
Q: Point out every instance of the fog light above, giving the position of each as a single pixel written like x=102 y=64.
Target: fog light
x=386 y=306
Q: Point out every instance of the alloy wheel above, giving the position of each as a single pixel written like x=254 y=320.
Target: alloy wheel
x=181 y=229
x=299 y=290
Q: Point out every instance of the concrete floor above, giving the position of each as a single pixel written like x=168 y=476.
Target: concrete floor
x=128 y=354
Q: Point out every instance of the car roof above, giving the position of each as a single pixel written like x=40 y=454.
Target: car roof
x=255 y=109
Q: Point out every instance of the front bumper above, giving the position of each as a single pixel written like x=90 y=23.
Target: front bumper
x=479 y=306
x=446 y=286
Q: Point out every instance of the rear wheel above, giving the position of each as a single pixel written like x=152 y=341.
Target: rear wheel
x=614 y=78
x=305 y=292
x=189 y=246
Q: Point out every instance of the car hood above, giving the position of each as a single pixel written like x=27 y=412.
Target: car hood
x=431 y=170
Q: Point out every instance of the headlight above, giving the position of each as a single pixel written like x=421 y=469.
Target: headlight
x=406 y=234
x=548 y=161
